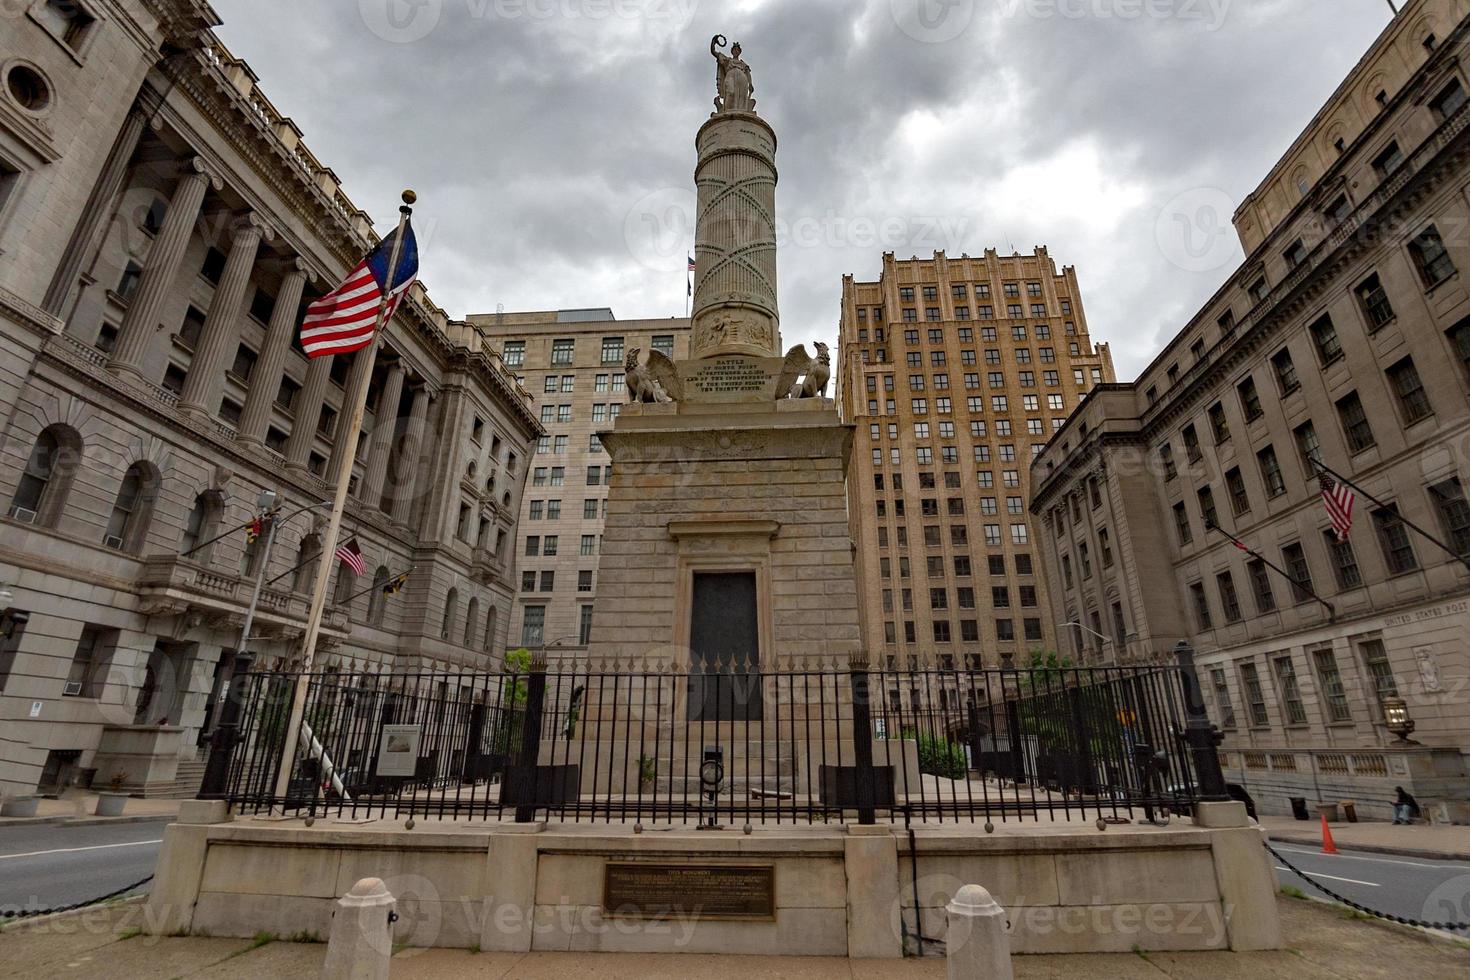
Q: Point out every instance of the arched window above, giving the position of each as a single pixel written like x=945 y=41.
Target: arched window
x=346 y=586
x=491 y=621
x=203 y=524
x=132 y=512
x=46 y=481
x=451 y=610
x=307 y=558
x=471 y=623
x=377 y=601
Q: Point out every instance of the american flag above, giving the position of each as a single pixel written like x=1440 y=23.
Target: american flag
x=1339 y=499
x=350 y=554
x=691 y=263
x=344 y=320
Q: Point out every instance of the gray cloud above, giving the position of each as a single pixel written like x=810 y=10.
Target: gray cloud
x=545 y=135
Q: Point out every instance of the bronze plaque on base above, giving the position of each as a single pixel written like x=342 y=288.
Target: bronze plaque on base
x=690 y=891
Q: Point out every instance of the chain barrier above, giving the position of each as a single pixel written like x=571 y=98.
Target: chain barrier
x=12 y=914
x=1401 y=920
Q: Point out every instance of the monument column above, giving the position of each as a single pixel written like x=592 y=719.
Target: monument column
x=202 y=387
x=405 y=484
x=162 y=270
x=385 y=425
x=735 y=307
x=313 y=397
x=272 y=364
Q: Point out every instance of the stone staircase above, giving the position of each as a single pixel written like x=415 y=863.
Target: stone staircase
x=186 y=782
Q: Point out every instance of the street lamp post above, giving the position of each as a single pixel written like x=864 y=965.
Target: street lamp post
x=1086 y=629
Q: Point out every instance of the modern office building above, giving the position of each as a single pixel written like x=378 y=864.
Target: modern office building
x=1187 y=506
x=162 y=227
x=572 y=362
x=956 y=371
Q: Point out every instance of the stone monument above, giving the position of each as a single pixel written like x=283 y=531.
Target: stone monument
x=727 y=534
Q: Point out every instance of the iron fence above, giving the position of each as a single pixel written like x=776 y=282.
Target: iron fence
x=723 y=744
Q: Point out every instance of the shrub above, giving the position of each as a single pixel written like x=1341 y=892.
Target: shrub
x=940 y=757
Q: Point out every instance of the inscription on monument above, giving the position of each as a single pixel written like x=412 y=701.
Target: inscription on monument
x=730 y=378
x=714 y=891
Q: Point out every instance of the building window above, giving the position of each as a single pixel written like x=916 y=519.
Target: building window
x=1308 y=445
x=67 y=19
x=1431 y=258
x=1219 y=424
x=584 y=581
x=1355 y=423
x=563 y=351
x=1291 y=693
x=1413 y=399
x=1380 y=671
x=132 y=511
x=1295 y=557
x=1296 y=254
x=1393 y=538
x=1182 y=525
x=1271 y=473
x=1255 y=696
x=1229 y=598
x=1324 y=336
x=1344 y=561
x=1449 y=100
x=1223 y=704
x=664 y=344
x=1207 y=509
x=1166 y=457
x=1240 y=501
x=533 y=626
x=47 y=479
x=1454 y=513
x=584 y=629
x=1389 y=160
x=1375 y=303
x=514 y=353
x=1286 y=376
x=1329 y=679
x=1260 y=578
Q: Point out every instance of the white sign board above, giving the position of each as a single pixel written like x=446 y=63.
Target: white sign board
x=398 y=754
x=36 y=707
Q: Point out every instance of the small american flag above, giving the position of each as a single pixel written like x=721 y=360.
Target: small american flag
x=1339 y=500
x=345 y=319
x=350 y=554
x=691 y=263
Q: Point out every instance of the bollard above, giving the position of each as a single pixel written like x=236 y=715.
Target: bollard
x=362 y=933
x=977 y=944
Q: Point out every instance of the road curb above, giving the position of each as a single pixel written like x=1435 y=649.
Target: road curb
x=84 y=821
x=1372 y=848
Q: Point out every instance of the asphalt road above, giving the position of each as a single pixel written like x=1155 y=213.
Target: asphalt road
x=1414 y=888
x=43 y=866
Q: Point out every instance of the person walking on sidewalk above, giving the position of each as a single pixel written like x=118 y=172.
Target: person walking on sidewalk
x=1405 y=808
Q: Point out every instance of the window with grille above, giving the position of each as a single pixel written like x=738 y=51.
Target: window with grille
x=1255 y=696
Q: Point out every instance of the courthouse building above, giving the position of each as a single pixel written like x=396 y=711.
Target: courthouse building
x=572 y=362
x=956 y=371
x=162 y=228
x=1345 y=337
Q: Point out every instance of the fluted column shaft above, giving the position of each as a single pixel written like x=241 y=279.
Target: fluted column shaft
x=271 y=366
x=221 y=333
x=99 y=207
x=384 y=428
x=405 y=484
x=141 y=322
x=313 y=397
x=362 y=363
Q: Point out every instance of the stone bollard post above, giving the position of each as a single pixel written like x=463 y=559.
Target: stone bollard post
x=362 y=933
x=977 y=944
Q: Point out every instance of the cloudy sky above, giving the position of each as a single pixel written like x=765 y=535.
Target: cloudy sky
x=551 y=141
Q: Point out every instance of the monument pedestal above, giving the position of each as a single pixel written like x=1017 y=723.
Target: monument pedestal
x=727 y=532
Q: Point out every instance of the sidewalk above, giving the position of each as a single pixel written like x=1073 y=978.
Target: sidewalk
x=79 y=809
x=1421 y=841
x=104 y=944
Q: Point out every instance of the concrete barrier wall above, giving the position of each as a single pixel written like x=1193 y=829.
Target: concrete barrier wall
x=838 y=890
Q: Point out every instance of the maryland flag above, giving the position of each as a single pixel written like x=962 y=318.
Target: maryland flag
x=396 y=585
x=255 y=529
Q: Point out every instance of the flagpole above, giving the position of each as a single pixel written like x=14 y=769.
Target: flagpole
x=1323 y=467
x=357 y=398
x=358 y=595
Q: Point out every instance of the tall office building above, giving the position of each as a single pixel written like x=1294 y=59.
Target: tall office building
x=572 y=361
x=956 y=372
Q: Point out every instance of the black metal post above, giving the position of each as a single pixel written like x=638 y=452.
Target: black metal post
x=226 y=733
x=862 y=741
x=1202 y=737
x=527 y=769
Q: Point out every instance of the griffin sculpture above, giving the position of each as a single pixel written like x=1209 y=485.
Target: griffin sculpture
x=656 y=382
x=803 y=376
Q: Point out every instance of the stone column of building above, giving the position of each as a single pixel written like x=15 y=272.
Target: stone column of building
x=94 y=219
x=162 y=270
x=406 y=484
x=362 y=363
x=385 y=427
x=202 y=387
x=735 y=306
x=271 y=367
x=313 y=397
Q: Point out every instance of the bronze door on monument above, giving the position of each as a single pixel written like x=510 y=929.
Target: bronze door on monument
x=724 y=640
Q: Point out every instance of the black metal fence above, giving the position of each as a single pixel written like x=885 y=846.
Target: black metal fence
x=724 y=745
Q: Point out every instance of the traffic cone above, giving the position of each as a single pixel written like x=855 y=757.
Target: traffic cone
x=1329 y=846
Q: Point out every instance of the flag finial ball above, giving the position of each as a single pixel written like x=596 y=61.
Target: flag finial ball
x=409 y=197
